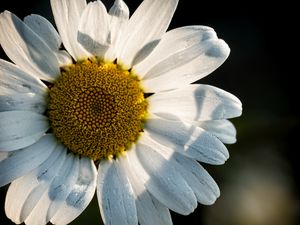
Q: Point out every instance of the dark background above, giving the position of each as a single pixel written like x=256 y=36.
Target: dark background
x=259 y=183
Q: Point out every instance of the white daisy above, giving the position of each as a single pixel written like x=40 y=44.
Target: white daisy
x=119 y=99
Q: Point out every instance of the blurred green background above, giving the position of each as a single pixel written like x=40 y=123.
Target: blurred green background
x=260 y=182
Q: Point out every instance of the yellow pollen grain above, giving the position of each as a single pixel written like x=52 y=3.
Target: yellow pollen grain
x=96 y=109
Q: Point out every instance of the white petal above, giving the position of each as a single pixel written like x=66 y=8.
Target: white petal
x=44 y=29
x=119 y=16
x=20 y=129
x=20 y=91
x=26 y=49
x=56 y=193
x=13 y=80
x=67 y=14
x=195 y=102
x=149 y=210
x=188 y=139
x=222 y=129
x=80 y=196
x=144 y=30
x=23 y=102
x=115 y=195
x=24 y=193
x=176 y=48
x=174 y=74
x=161 y=179
x=93 y=31
x=19 y=163
x=203 y=186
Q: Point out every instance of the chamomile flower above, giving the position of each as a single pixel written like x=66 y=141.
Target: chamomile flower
x=113 y=111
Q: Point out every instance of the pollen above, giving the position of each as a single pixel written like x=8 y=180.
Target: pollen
x=97 y=109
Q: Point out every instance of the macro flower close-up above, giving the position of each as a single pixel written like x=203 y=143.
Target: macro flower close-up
x=107 y=103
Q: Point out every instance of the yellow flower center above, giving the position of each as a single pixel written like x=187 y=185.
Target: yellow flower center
x=96 y=109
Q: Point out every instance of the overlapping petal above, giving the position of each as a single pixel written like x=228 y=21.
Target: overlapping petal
x=115 y=195
x=93 y=30
x=149 y=209
x=24 y=193
x=195 y=102
x=161 y=179
x=222 y=129
x=14 y=80
x=20 y=129
x=18 y=163
x=26 y=49
x=144 y=30
x=188 y=140
x=183 y=56
x=119 y=16
x=56 y=193
x=67 y=14
x=80 y=195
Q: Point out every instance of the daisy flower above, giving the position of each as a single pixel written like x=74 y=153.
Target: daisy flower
x=107 y=105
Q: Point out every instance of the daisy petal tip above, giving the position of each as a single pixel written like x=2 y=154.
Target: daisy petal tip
x=210 y=201
x=220 y=49
x=120 y=4
x=4 y=16
x=232 y=141
x=237 y=108
x=234 y=108
x=212 y=194
x=240 y=108
x=119 y=10
x=225 y=158
x=94 y=19
x=221 y=157
x=5 y=12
